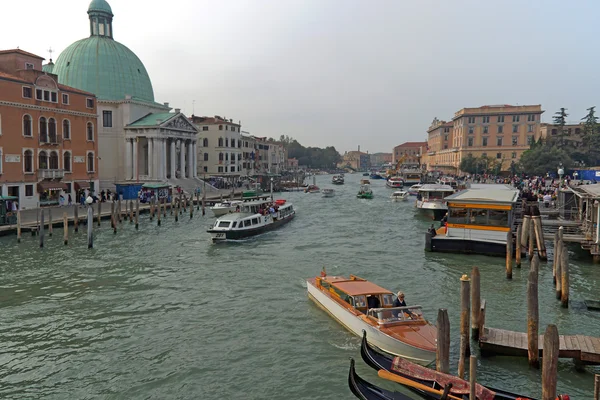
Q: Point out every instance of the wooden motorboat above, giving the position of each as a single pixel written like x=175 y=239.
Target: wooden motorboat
x=328 y=192
x=399 y=195
x=358 y=305
x=417 y=374
x=367 y=391
x=592 y=304
x=253 y=219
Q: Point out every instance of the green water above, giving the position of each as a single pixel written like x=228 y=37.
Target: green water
x=163 y=313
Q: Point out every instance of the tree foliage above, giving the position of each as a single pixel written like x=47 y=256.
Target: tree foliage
x=312 y=157
x=480 y=165
x=560 y=120
x=540 y=160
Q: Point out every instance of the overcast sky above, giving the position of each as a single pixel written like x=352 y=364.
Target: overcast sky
x=346 y=73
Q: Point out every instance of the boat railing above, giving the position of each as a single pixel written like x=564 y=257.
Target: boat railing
x=393 y=315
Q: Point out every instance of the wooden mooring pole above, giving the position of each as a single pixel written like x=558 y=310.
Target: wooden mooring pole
x=472 y=378
x=509 y=251
x=137 y=213
x=533 y=317
x=90 y=227
x=99 y=211
x=158 y=215
x=442 y=359
x=525 y=230
x=191 y=206
x=65 y=229
x=550 y=363
x=559 y=258
x=531 y=236
x=164 y=207
x=131 y=211
x=204 y=204
x=475 y=302
x=465 y=300
x=539 y=237
x=113 y=218
x=41 y=233
x=564 y=276
x=50 y=222
x=18 y=226
x=554 y=258
x=120 y=209
x=597 y=387
x=76 y=218
x=518 y=247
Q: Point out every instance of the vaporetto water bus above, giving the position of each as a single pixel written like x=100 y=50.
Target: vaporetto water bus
x=254 y=218
x=431 y=199
x=479 y=220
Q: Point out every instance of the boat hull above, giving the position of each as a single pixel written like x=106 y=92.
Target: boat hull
x=462 y=246
x=219 y=212
x=356 y=325
x=221 y=236
x=434 y=210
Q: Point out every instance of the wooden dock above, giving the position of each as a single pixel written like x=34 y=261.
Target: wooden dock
x=584 y=349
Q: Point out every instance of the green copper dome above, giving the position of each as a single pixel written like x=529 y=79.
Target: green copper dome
x=101 y=65
x=99 y=5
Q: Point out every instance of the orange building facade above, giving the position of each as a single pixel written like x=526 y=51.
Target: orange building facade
x=48 y=134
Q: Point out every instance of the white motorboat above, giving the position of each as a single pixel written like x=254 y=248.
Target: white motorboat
x=414 y=189
x=399 y=195
x=328 y=192
x=395 y=182
x=225 y=207
x=431 y=200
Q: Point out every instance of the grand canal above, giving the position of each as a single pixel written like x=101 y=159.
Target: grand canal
x=164 y=314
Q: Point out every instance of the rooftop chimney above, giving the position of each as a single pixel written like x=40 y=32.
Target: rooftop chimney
x=177 y=110
x=359 y=148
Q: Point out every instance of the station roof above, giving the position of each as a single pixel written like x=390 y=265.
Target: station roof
x=592 y=191
x=487 y=195
x=356 y=287
x=436 y=187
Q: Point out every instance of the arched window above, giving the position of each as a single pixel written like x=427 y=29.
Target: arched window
x=43 y=130
x=90 y=131
x=226 y=156
x=27 y=125
x=220 y=127
x=232 y=142
x=220 y=142
x=205 y=142
x=90 y=162
x=226 y=142
x=53 y=160
x=205 y=156
x=43 y=160
x=67 y=161
x=220 y=156
x=52 y=130
x=66 y=129
x=28 y=161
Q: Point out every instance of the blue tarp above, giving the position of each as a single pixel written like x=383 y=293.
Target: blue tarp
x=128 y=190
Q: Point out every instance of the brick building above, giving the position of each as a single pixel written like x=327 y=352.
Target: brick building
x=48 y=133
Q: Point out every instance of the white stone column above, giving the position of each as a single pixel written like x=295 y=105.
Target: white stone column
x=164 y=157
x=135 y=144
x=150 y=157
x=173 y=159
x=190 y=160
x=181 y=146
x=128 y=161
x=195 y=159
x=157 y=157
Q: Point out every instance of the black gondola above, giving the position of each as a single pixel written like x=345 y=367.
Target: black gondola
x=380 y=360
x=367 y=391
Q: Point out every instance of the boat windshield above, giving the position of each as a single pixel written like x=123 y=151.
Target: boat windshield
x=396 y=314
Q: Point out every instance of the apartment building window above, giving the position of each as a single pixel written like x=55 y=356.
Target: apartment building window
x=205 y=142
x=90 y=132
x=226 y=127
x=232 y=142
x=445 y=138
x=484 y=141
x=43 y=160
x=577 y=131
x=89 y=103
x=554 y=131
x=39 y=94
x=205 y=168
x=205 y=128
x=499 y=141
x=531 y=117
x=498 y=156
x=226 y=142
x=90 y=162
x=514 y=154
x=516 y=118
x=220 y=127
x=27 y=92
x=67 y=161
x=471 y=120
x=515 y=140
x=515 y=128
x=500 y=129
x=470 y=142
x=107 y=119
x=500 y=118
x=471 y=130
x=46 y=95
x=220 y=156
x=52 y=130
x=220 y=142
x=529 y=139
x=446 y=129
x=220 y=169
x=205 y=156
x=43 y=130
x=53 y=160
x=28 y=161
x=486 y=129
x=54 y=97
x=530 y=128
x=28 y=190
x=66 y=129
x=226 y=156
x=445 y=146
x=486 y=120
x=29 y=66
x=65 y=98
x=27 y=125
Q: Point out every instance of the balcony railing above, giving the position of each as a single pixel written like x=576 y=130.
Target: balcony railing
x=51 y=173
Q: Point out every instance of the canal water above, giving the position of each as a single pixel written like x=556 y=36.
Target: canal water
x=163 y=313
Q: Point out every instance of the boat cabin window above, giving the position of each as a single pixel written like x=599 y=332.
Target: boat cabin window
x=457 y=216
x=396 y=314
x=234 y=224
x=478 y=216
x=388 y=300
x=436 y=195
x=360 y=301
x=498 y=218
x=224 y=224
x=254 y=221
x=373 y=301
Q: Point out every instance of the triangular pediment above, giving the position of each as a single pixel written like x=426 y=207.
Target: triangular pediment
x=180 y=122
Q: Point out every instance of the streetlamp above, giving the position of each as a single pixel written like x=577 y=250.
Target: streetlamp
x=561 y=172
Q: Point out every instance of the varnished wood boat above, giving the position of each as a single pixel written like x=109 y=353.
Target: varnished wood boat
x=360 y=305
x=367 y=391
x=460 y=388
x=592 y=304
